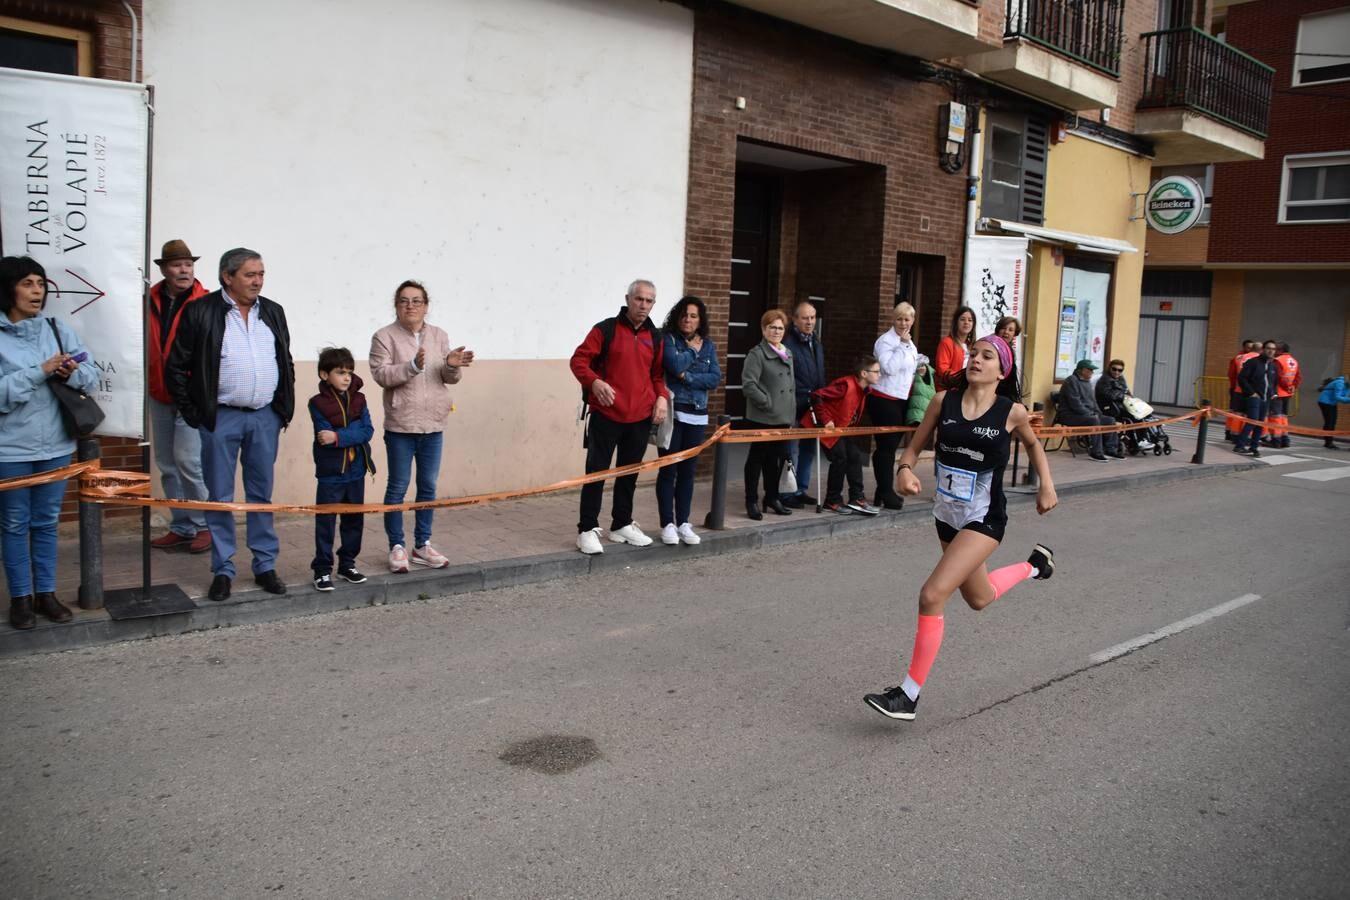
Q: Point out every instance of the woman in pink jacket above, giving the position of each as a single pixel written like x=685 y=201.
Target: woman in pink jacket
x=415 y=364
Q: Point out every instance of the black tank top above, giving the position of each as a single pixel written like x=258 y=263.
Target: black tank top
x=977 y=446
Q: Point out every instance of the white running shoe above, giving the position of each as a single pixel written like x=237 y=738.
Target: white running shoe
x=427 y=555
x=688 y=535
x=630 y=534
x=670 y=534
x=398 y=559
x=588 y=542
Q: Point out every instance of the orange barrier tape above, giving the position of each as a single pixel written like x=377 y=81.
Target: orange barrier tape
x=61 y=474
x=1293 y=429
x=754 y=435
x=132 y=489
x=1054 y=431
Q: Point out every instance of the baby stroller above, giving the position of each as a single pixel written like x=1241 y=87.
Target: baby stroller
x=1141 y=440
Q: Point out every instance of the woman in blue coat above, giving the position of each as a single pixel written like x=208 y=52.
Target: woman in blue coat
x=1334 y=391
x=33 y=438
x=690 y=360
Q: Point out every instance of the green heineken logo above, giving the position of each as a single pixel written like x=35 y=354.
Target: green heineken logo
x=1174 y=204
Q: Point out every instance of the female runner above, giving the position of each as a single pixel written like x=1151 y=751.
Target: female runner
x=975 y=425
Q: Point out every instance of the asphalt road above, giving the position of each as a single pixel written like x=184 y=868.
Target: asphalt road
x=359 y=754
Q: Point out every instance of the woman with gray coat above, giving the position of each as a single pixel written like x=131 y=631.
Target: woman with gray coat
x=770 y=400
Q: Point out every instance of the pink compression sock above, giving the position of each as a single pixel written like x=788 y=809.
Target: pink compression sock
x=927 y=640
x=1003 y=579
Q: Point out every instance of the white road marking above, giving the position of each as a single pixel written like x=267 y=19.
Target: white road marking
x=1321 y=474
x=1271 y=460
x=1176 y=627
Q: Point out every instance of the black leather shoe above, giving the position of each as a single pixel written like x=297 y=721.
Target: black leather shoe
x=776 y=506
x=808 y=500
x=795 y=501
x=21 y=612
x=269 y=582
x=220 y=588
x=752 y=510
x=49 y=607
x=891 y=501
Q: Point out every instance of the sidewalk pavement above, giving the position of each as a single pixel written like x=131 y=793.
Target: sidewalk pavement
x=518 y=541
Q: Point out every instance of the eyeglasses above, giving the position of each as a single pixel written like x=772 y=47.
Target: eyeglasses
x=405 y=302
x=774 y=327
x=1117 y=370
x=872 y=371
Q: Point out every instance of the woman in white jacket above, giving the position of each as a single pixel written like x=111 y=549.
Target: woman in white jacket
x=886 y=402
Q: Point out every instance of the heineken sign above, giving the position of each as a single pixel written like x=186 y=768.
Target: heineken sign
x=1174 y=204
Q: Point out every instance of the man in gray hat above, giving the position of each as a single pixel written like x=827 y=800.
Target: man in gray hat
x=177 y=446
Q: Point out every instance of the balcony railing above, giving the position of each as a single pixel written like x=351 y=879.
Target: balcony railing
x=1184 y=67
x=1088 y=31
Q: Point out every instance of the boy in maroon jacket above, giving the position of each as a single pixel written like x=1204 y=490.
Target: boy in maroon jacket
x=839 y=404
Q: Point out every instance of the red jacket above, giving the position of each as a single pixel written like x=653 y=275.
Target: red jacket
x=158 y=351
x=632 y=366
x=951 y=361
x=840 y=402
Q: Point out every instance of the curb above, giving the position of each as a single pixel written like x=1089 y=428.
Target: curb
x=253 y=607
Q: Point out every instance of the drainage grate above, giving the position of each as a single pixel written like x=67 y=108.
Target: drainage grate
x=552 y=754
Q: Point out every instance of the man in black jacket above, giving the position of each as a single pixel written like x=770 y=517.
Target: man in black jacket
x=1258 y=381
x=808 y=371
x=232 y=378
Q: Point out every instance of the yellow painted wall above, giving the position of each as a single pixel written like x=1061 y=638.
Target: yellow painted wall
x=1088 y=191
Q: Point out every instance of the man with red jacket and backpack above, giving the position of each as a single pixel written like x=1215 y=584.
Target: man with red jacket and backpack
x=177 y=446
x=839 y=404
x=622 y=380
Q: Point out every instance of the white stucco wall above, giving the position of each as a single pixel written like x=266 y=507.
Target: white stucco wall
x=524 y=158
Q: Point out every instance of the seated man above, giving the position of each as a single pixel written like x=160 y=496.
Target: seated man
x=1077 y=406
x=1112 y=389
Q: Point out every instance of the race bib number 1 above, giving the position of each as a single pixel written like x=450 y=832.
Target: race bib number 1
x=956 y=484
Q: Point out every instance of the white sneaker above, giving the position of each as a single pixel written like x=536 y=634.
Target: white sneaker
x=398 y=559
x=426 y=555
x=630 y=534
x=588 y=542
x=670 y=534
x=688 y=536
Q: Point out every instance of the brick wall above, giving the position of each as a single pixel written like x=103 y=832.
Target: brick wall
x=1245 y=224
x=1223 y=340
x=818 y=94
x=109 y=28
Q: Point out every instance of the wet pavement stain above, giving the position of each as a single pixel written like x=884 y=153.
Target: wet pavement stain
x=552 y=754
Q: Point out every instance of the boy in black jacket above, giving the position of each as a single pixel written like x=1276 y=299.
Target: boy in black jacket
x=342 y=432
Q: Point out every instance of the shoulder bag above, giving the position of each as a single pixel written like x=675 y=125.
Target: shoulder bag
x=80 y=412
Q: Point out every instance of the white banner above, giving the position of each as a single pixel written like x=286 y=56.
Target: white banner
x=73 y=196
x=995 y=280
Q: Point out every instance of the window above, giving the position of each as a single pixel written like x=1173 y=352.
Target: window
x=1203 y=174
x=1014 y=167
x=45 y=48
x=1322 y=42
x=1084 y=300
x=1316 y=188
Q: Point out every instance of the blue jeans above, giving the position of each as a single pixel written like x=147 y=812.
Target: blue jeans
x=28 y=518
x=247 y=437
x=178 y=456
x=803 y=456
x=403 y=448
x=326 y=524
x=1250 y=436
x=675 y=484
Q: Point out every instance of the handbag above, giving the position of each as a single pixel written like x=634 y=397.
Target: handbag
x=787 y=482
x=80 y=413
x=661 y=434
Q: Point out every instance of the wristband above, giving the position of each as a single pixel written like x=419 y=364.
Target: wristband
x=903 y=466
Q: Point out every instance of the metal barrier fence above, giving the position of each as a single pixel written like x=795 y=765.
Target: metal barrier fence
x=1215 y=387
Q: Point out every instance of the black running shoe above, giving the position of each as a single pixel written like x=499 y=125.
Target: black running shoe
x=893 y=704
x=323 y=582
x=351 y=574
x=1043 y=558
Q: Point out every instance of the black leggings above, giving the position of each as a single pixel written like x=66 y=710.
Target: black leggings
x=885 y=411
x=763 y=458
x=1328 y=420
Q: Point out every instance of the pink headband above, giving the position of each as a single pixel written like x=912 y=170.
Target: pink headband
x=1002 y=349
